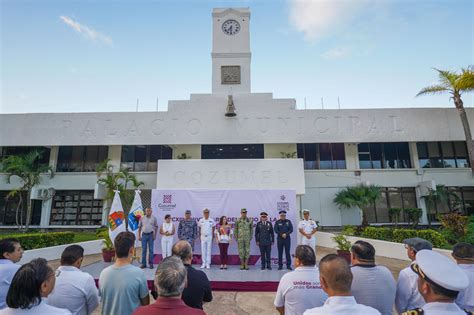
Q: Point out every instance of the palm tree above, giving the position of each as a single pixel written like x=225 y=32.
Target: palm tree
x=441 y=194
x=123 y=181
x=28 y=169
x=360 y=196
x=456 y=84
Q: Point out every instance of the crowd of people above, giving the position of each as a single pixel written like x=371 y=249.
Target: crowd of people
x=224 y=233
x=431 y=284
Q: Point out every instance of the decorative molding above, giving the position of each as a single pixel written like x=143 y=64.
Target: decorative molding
x=231 y=55
x=242 y=12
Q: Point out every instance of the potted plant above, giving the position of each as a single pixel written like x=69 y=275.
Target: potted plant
x=343 y=246
x=108 y=251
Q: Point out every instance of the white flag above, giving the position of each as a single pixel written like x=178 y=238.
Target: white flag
x=116 y=217
x=135 y=214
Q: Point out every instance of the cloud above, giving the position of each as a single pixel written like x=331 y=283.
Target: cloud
x=319 y=18
x=336 y=53
x=86 y=31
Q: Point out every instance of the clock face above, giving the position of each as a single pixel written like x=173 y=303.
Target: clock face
x=231 y=27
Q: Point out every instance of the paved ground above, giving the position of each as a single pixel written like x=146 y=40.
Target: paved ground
x=243 y=303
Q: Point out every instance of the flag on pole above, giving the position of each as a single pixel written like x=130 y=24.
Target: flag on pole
x=135 y=214
x=116 y=217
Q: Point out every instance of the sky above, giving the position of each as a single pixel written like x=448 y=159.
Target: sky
x=100 y=56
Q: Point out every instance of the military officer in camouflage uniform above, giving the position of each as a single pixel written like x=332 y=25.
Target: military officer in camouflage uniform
x=243 y=235
x=187 y=229
x=265 y=238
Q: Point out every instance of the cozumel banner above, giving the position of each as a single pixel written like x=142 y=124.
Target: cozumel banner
x=116 y=217
x=226 y=203
x=135 y=214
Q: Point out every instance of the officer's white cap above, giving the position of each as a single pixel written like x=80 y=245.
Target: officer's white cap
x=304 y=211
x=440 y=270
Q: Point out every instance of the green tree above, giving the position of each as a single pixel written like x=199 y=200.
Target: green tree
x=440 y=195
x=456 y=84
x=360 y=196
x=29 y=171
x=122 y=180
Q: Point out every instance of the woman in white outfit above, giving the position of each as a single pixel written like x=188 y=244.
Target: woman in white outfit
x=167 y=231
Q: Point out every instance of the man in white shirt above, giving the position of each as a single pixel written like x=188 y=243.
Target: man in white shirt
x=463 y=253
x=10 y=253
x=206 y=229
x=300 y=289
x=439 y=282
x=372 y=285
x=407 y=296
x=336 y=279
x=307 y=229
x=74 y=290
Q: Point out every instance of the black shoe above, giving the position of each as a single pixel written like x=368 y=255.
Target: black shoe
x=151 y=266
x=280 y=268
x=269 y=268
x=263 y=268
x=289 y=268
x=142 y=266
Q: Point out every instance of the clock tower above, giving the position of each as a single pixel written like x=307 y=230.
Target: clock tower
x=230 y=51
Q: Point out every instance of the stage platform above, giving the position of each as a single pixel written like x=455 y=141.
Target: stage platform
x=232 y=279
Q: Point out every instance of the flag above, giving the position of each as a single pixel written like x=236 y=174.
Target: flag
x=116 y=217
x=135 y=214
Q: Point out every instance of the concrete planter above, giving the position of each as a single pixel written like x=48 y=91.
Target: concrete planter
x=54 y=252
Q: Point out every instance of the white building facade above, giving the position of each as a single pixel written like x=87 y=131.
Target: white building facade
x=403 y=150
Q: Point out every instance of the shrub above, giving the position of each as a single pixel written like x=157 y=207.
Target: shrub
x=398 y=235
x=40 y=240
x=384 y=234
x=394 y=214
x=454 y=223
x=413 y=215
x=342 y=242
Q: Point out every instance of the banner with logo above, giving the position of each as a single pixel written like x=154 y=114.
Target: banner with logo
x=116 y=218
x=226 y=203
x=135 y=214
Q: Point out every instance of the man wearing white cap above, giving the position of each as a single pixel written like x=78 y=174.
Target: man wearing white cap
x=307 y=229
x=206 y=229
x=407 y=296
x=439 y=282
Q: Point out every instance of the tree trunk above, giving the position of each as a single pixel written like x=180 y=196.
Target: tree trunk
x=364 y=218
x=467 y=130
x=28 y=209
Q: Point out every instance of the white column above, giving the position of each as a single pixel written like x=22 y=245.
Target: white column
x=352 y=156
x=46 y=207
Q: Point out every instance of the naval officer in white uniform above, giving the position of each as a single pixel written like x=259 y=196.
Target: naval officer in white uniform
x=206 y=229
x=439 y=282
x=307 y=229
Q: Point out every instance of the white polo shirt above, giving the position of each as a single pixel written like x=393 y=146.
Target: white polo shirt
x=465 y=299
x=437 y=308
x=407 y=296
x=74 y=290
x=7 y=271
x=300 y=290
x=41 y=309
x=342 y=305
x=307 y=226
x=205 y=226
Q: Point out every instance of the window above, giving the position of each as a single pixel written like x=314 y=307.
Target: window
x=9 y=206
x=76 y=207
x=232 y=151
x=392 y=197
x=384 y=155
x=447 y=154
x=322 y=155
x=459 y=200
x=81 y=158
x=44 y=152
x=141 y=158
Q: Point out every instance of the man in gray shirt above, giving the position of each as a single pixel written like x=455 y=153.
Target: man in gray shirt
x=147 y=228
x=372 y=285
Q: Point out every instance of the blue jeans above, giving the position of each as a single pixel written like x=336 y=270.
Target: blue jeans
x=147 y=239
